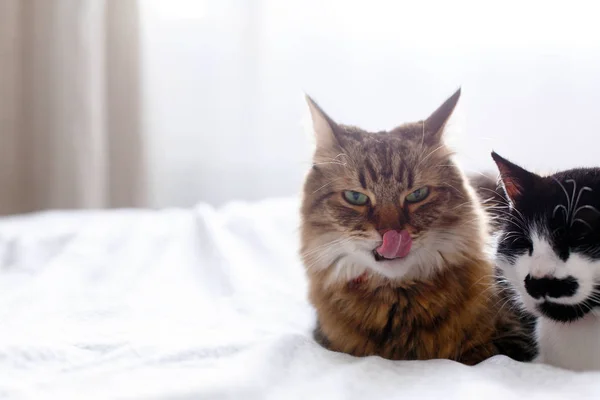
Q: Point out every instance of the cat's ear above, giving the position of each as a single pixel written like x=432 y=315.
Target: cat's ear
x=323 y=127
x=514 y=178
x=434 y=125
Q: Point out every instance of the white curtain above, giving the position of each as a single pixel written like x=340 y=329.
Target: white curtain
x=69 y=105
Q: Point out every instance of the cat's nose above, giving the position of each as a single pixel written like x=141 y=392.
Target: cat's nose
x=551 y=287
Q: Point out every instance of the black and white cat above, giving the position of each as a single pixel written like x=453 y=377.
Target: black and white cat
x=549 y=249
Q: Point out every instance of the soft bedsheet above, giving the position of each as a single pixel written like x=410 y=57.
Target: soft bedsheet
x=200 y=304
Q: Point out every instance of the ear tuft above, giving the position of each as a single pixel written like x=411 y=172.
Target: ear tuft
x=323 y=126
x=434 y=125
x=514 y=178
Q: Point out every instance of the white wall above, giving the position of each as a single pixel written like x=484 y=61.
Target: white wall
x=224 y=82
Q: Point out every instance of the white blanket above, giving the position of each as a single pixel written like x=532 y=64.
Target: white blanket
x=200 y=304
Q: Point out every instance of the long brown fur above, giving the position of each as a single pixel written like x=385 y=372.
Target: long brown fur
x=443 y=300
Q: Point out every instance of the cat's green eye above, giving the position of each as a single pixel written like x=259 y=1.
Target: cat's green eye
x=355 y=198
x=418 y=195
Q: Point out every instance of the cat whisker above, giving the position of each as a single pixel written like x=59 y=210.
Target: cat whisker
x=493 y=191
x=595 y=292
x=474 y=219
x=515 y=237
x=505 y=202
x=561 y=207
x=595 y=298
x=461 y=205
x=581 y=221
x=586 y=207
x=327 y=184
x=338 y=259
x=325 y=245
x=457 y=191
x=586 y=189
x=518 y=224
x=502 y=216
x=507 y=301
x=474 y=171
x=493 y=276
x=331 y=162
x=583 y=310
x=509 y=234
x=507 y=217
x=491 y=207
x=429 y=155
x=335 y=160
x=319 y=260
x=573 y=193
x=486 y=294
x=511 y=243
x=565 y=192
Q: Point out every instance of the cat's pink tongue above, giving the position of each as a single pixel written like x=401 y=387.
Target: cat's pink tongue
x=396 y=244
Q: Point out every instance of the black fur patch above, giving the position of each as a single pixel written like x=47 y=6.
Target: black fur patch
x=569 y=312
x=552 y=287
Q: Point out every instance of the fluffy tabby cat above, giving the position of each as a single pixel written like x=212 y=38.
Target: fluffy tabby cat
x=393 y=243
x=549 y=249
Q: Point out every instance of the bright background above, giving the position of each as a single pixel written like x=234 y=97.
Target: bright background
x=224 y=83
x=162 y=103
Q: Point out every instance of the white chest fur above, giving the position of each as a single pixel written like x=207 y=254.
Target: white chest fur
x=573 y=346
